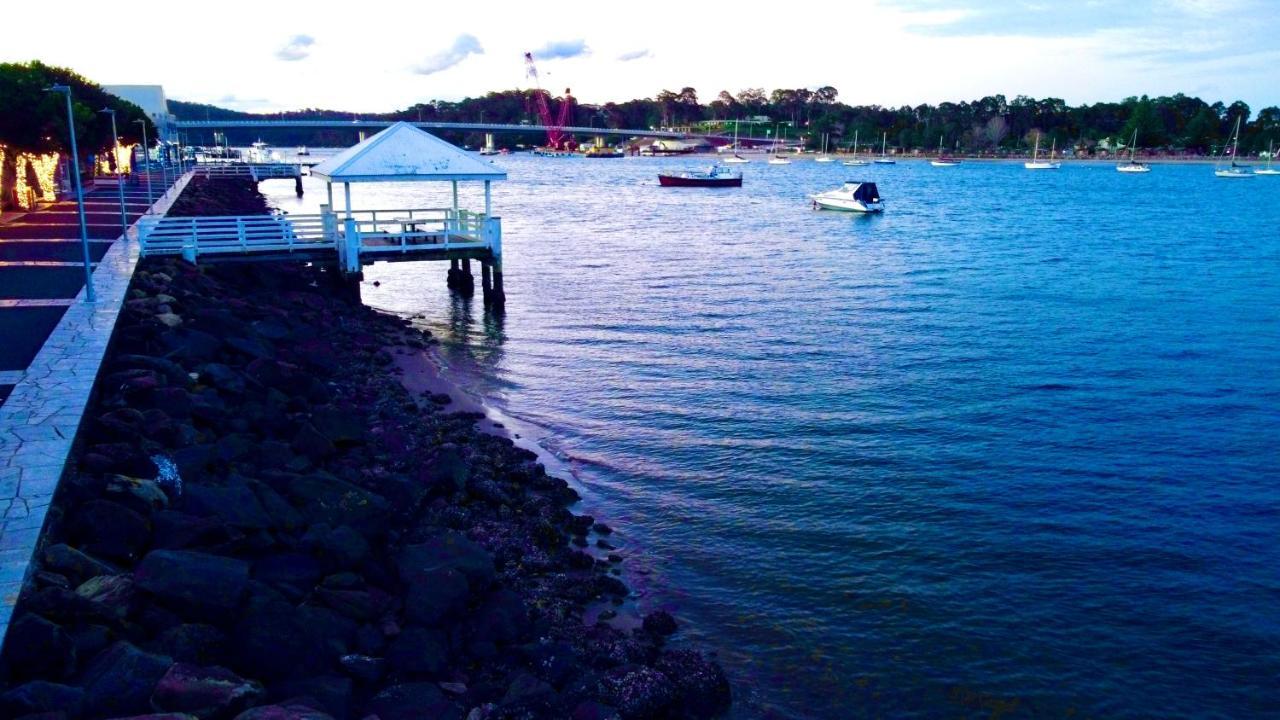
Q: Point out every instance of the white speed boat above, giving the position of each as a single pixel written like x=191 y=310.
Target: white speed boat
x=853 y=196
x=261 y=152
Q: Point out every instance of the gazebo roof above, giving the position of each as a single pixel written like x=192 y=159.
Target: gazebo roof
x=403 y=153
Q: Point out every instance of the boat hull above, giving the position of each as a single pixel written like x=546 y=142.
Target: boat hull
x=1266 y=172
x=846 y=205
x=1133 y=169
x=677 y=181
x=944 y=163
x=1042 y=165
x=1232 y=174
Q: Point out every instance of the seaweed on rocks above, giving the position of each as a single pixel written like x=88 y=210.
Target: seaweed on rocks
x=263 y=523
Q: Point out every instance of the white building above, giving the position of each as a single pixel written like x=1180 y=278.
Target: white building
x=152 y=101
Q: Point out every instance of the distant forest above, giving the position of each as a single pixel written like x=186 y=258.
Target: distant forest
x=992 y=125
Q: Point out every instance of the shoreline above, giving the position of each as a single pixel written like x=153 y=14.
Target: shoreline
x=276 y=515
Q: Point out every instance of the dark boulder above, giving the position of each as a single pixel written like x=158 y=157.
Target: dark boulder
x=418 y=653
x=660 y=623
x=501 y=618
x=120 y=681
x=192 y=643
x=206 y=692
x=329 y=693
x=284 y=711
x=75 y=565
x=341 y=548
x=294 y=574
x=193 y=579
x=325 y=499
x=447 y=550
x=37 y=648
x=702 y=689
x=109 y=529
x=234 y=504
x=414 y=701
x=39 y=696
x=637 y=691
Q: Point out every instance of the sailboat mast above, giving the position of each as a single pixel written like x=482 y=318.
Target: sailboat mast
x=1235 y=144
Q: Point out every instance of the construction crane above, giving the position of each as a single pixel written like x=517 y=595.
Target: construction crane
x=555 y=127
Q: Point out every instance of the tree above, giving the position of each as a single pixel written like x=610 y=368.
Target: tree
x=35 y=121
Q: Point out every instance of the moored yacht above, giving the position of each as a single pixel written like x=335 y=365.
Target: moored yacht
x=1235 y=170
x=714 y=176
x=1133 y=166
x=1036 y=163
x=853 y=196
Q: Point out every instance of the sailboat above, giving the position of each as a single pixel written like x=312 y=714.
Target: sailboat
x=1133 y=166
x=777 y=159
x=736 y=159
x=824 y=157
x=884 y=158
x=943 y=160
x=1235 y=171
x=1271 y=156
x=1036 y=163
x=855 y=161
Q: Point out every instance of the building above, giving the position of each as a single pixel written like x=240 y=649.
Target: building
x=152 y=101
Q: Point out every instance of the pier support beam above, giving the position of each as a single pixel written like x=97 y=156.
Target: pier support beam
x=451 y=280
x=466 y=281
x=297 y=184
x=486 y=281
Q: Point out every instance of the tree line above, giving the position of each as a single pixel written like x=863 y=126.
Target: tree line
x=992 y=125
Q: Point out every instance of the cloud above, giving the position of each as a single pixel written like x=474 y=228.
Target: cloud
x=561 y=50
x=635 y=55
x=463 y=46
x=296 y=49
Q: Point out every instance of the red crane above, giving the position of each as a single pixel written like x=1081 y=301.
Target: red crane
x=555 y=128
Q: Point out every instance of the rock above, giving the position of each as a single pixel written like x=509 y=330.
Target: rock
x=592 y=710
x=341 y=426
x=192 y=643
x=40 y=696
x=340 y=547
x=702 y=689
x=414 y=701
x=171 y=370
x=193 y=579
x=173 y=401
x=637 y=691
x=310 y=442
x=234 y=504
x=325 y=499
x=285 y=711
x=206 y=692
x=120 y=681
x=501 y=618
x=450 y=470
x=528 y=691
x=113 y=593
x=418 y=652
x=660 y=623
x=356 y=604
x=169 y=319
x=253 y=347
x=75 y=565
x=363 y=667
x=329 y=693
x=222 y=377
x=144 y=495
x=38 y=648
x=449 y=550
x=295 y=574
x=109 y=529
x=435 y=595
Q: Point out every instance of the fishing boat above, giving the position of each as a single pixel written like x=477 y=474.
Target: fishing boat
x=855 y=161
x=943 y=160
x=260 y=152
x=714 y=176
x=823 y=157
x=852 y=196
x=1133 y=166
x=603 y=151
x=1236 y=170
x=1271 y=156
x=736 y=159
x=884 y=158
x=1036 y=163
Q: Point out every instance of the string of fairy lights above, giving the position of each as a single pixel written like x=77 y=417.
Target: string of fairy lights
x=44 y=172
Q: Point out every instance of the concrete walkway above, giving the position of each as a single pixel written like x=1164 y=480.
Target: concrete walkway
x=54 y=346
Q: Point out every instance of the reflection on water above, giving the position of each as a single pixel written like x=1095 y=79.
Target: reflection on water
x=1005 y=451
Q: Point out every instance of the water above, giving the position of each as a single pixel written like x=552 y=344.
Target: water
x=1008 y=450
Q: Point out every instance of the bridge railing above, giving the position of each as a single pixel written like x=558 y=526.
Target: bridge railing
x=192 y=237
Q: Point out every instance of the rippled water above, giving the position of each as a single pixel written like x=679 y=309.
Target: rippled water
x=1008 y=450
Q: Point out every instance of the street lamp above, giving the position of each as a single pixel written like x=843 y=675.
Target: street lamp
x=115 y=143
x=146 y=158
x=89 y=295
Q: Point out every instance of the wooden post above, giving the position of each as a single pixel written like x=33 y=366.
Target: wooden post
x=451 y=281
x=486 y=282
x=466 y=281
x=297 y=182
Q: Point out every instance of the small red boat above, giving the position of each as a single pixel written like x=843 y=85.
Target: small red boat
x=715 y=176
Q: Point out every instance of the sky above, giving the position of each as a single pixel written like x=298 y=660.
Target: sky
x=273 y=55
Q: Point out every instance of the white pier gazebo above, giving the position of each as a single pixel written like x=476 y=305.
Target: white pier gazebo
x=404 y=153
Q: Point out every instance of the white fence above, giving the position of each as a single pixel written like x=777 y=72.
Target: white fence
x=257 y=172
x=368 y=234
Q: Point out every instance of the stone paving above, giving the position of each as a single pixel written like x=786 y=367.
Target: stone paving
x=42 y=413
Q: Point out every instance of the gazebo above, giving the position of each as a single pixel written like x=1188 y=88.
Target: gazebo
x=404 y=153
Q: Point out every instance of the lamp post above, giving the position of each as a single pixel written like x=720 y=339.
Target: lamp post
x=89 y=295
x=115 y=143
x=146 y=159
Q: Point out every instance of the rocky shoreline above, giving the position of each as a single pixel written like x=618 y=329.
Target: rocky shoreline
x=264 y=524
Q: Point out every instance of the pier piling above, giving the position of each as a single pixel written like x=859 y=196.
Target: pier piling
x=486 y=282
x=466 y=281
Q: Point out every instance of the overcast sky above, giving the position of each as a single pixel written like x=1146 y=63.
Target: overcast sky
x=378 y=56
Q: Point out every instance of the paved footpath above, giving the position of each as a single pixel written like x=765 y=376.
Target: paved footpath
x=51 y=346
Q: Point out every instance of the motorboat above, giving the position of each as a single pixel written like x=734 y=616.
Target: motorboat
x=1271 y=156
x=1035 y=163
x=884 y=158
x=852 y=196
x=1235 y=170
x=714 y=176
x=1133 y=166
x=260 y=152
x=603 y=151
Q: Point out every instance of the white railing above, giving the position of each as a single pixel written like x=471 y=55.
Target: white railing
x=257 y=172
x=192 y=237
